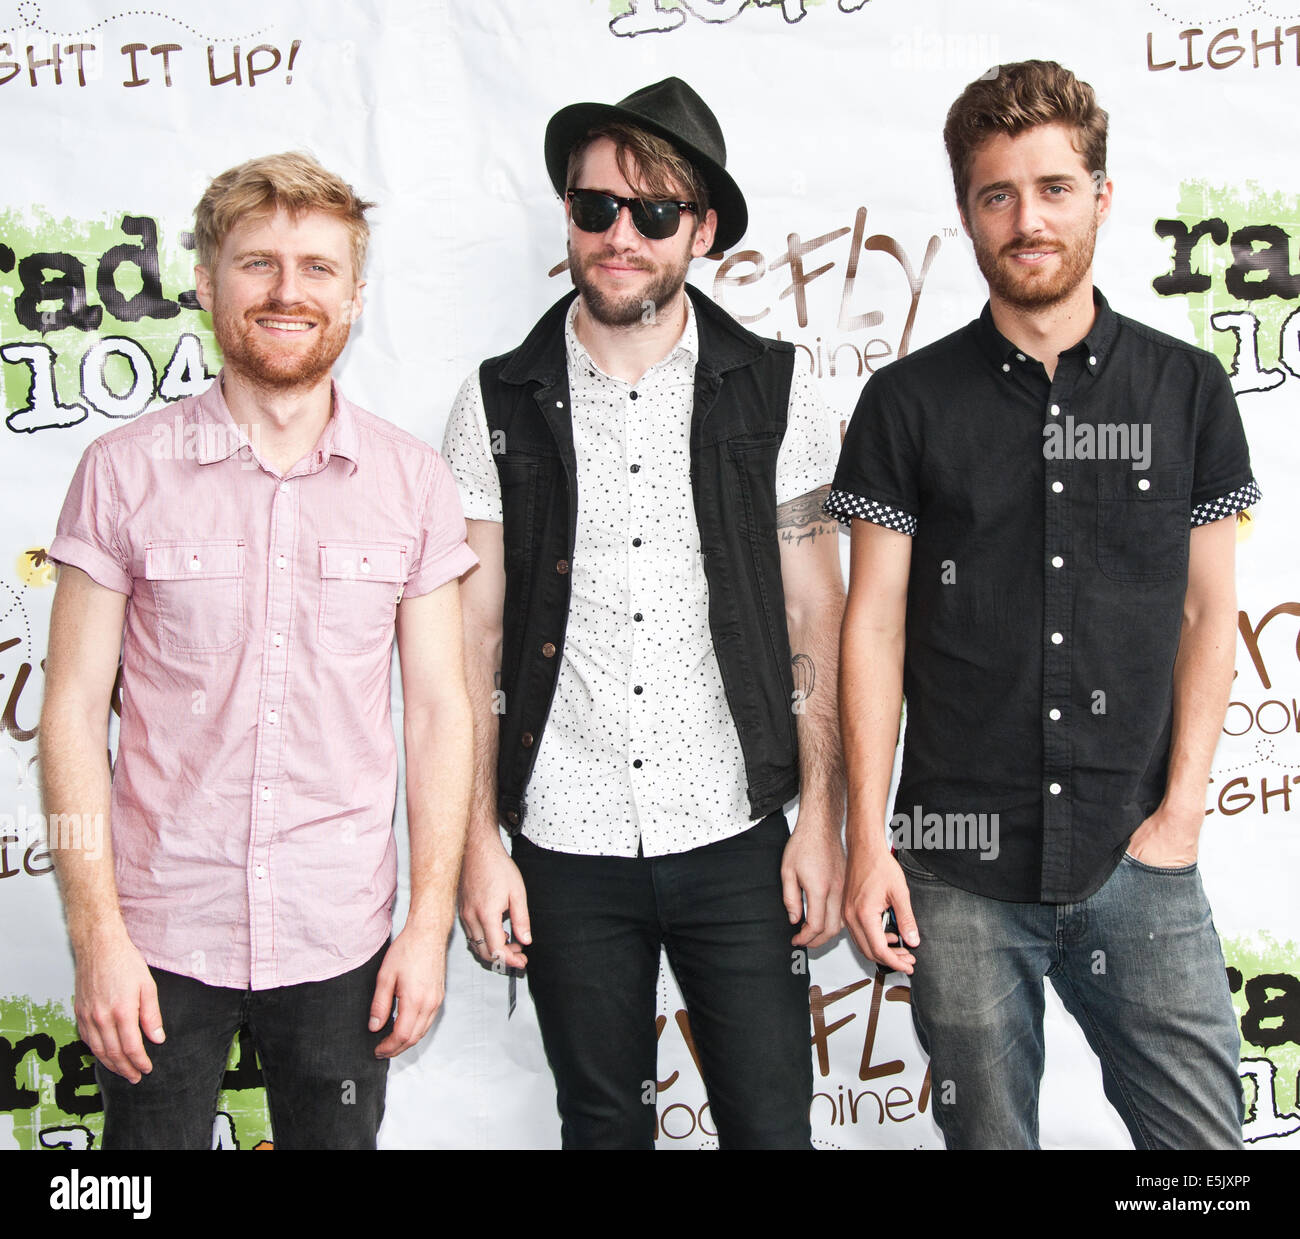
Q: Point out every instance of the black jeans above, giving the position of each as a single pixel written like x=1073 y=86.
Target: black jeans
x=324 y=1085
x=598 y=923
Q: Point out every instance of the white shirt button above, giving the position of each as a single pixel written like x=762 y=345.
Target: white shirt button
x=365 y=565
x=260 y=871
x=1055 y=410
x=194 y=564
x=1057 y=638
x=1057 y=561
x=272 y=716
x=1054 y=788
x=1054 y=715
x=1092 y=361
x=1144 y=484
x=281 y=562
x=1058 y=487
x=1020 y=356
x=277 y=640
x=284 y=488
x=266 y=793
x=1006 y=365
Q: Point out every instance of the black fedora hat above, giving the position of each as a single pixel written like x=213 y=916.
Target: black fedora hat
x=673 y=111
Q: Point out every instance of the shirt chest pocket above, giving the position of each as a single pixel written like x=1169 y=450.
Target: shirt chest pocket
x=1143 y=524
x=198 y=594
x=360 y=583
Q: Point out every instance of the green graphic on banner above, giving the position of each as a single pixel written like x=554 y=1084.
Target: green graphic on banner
x=1233 y=260
x=49 y=1098
x=97 y=317
x=1264 y=976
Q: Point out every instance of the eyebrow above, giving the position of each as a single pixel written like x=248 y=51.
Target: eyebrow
x=1052 y=178
x=326 y=258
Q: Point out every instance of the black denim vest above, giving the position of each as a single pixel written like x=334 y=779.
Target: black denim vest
x=742 y=389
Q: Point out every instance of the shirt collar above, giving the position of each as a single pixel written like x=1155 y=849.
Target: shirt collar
x=1095 y=346
x=687 y=346
x=221 y=438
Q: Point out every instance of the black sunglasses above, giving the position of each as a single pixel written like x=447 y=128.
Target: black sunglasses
x=594 y=211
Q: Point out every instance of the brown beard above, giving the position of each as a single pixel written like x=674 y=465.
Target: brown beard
x=258 y=362
x=1027 y=290
x=629 y=310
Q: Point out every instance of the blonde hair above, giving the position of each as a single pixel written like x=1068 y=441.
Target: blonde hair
x=294 y=181
x=1017 y=97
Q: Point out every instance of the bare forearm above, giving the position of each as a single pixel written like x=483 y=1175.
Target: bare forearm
x=814 y=609
x=75 y=786
x=487 y=701
x=815 y=656
x=1202 y=686
x=871 y=702
x=439 y=762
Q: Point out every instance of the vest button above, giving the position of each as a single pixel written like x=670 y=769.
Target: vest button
x=526 y=739
x=548 y=650
x=513 y=818
x=636 y=541
x=637 y=617
x=636 y=468
x=562 y=567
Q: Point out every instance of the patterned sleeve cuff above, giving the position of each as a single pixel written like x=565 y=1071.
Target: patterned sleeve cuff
x=1226 y=505
x=846 y=506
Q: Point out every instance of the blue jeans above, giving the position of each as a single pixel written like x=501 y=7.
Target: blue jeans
x=1138 y=965
x=324 y=1085
x=598 y=923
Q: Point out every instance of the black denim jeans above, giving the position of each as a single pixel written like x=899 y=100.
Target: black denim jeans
x=324 y=1085
x=598 y=923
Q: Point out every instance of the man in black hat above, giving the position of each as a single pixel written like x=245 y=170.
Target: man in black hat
x=642 y=479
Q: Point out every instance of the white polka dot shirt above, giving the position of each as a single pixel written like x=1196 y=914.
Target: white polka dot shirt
x=640 y=749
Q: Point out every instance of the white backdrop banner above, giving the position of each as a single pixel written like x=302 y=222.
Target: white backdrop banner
x=116 y=119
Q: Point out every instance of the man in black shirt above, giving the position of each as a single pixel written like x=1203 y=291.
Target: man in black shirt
x=1043 y=509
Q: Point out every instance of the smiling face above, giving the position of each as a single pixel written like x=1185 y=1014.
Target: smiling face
x=620 y=274
x=283 y=297
x=1032 y=212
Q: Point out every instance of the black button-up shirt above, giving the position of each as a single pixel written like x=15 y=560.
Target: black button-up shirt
x=1051 y=521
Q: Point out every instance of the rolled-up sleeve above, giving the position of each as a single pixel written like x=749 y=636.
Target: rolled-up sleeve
x=86 y=536
x=443 y=553
x=876 y=478
x=1223 y=484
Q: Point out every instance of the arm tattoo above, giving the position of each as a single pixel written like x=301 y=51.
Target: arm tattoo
x=805 y=510
x=805 y=675
x=799 y=520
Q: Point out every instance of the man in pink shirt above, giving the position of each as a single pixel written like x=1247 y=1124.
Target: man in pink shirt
x=251 y=552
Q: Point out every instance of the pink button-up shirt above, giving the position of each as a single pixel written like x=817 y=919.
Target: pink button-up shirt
x=256 y=772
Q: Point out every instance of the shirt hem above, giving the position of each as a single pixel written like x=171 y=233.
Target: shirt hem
x=335 y=969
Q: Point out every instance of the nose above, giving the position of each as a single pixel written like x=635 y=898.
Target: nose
x=287 y=286
x=622 y=232
x=1029 y=215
